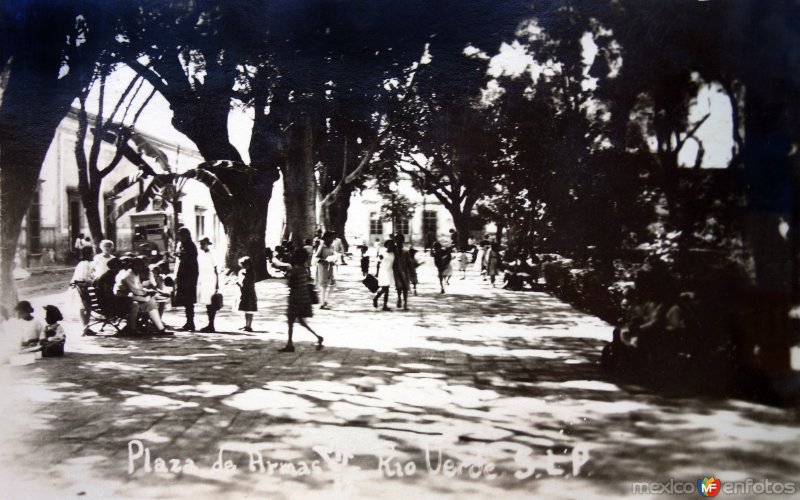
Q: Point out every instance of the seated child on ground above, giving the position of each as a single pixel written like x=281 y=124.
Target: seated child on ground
x=54 y=336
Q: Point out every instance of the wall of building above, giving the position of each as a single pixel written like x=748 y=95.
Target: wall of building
x=366 y=205
x=59 y=198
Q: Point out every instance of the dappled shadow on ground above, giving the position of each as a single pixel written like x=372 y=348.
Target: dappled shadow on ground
x=509 y=388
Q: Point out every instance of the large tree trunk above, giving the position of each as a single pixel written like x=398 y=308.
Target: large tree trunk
x=461 y=219
x=34 y=102
x=88 y=184
x=768 y=171
x=299 y=185
x=243 y=215
x=334 y=214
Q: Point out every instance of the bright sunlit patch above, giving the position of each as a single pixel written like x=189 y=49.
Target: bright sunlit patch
x=154 y=401
x=204 y=389
x=260 y=399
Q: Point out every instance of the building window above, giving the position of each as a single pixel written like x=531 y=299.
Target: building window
x=403 y=226
x=429 y=222
x=375 y=224
x=199 y=222
x=33 y=226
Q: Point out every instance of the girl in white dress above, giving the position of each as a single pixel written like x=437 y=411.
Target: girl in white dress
x=385 y=275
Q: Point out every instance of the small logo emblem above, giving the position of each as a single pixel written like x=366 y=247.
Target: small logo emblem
x=708 y=486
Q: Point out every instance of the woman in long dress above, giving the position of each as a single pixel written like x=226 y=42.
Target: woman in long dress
x=186 y=277
x=385 y=275
x=326 y=260
x=207 y=282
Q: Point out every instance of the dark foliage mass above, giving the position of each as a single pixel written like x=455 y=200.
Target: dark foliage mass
x=580 y=151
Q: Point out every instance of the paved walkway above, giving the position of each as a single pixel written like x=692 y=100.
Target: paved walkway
x=505 y=385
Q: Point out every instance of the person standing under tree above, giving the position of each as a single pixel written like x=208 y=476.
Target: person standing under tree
x=300 y=290
x=385 y=275
x=207 y=282
x=186 y=277
x=248 y=302
x=325 y=259
x=77 y=246
x=402 y=268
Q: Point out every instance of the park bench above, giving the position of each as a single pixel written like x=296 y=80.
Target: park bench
x=98 y=313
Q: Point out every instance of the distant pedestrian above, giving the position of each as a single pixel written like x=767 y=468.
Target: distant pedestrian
x=248 y=302
x=401 y=266
x=325 y=260
x=492 y=262
x=338 y=249
x=186 y=277
x=207 y=283
x=77 y=245
x=463 y=260
x=385 y=275
x=364 y=260
x=54 y=337
x=309 y=248
x=300 y=299
x=442 y=259
x=430 y=239
x=412 y=252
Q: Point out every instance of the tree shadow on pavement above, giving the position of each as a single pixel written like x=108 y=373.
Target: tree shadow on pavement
x=187 y=396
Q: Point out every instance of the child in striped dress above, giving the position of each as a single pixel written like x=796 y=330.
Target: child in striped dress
x=300 y=300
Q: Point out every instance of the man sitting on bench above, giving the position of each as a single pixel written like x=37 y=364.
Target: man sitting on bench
x=110 y=304
x=129 y=285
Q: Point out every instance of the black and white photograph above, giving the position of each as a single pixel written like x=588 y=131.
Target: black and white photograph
x=401 y=249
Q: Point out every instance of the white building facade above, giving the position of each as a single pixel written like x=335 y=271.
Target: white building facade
x=57 y=216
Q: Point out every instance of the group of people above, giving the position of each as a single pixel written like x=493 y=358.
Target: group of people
x=23 y=333
x=396 y=268
x=129 y=285
x=138 y=288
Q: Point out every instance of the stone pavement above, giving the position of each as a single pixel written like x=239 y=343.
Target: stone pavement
x=475 y=393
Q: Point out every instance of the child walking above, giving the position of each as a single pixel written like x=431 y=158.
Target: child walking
x=248 y=302
x=300 y=290
x=54 y=336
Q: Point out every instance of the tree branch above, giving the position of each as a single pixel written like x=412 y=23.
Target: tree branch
x=690 y=133
x=149 y=74
x=352 y=176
